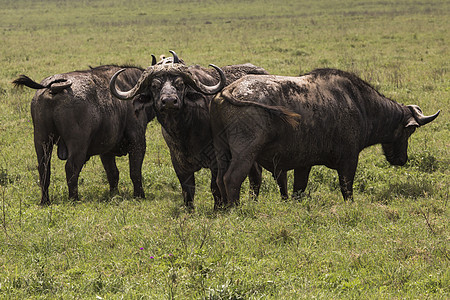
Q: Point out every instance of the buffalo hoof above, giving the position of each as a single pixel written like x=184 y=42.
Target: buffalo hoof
x=113 y=192
x=349 y=199
x=219 y=206
x=139 y=195
x=189 y=206
x=230 y=205
x=298 y=196
x=45 y=202
x=74 y=199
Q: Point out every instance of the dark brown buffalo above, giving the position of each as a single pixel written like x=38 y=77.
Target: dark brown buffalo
x=180 y=96
x=77 y=112
x=331 y=116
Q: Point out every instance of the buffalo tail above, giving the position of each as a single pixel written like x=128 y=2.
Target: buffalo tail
x=285 y=114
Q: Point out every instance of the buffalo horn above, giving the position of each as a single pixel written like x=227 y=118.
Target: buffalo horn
x=153 y=60
x=176 y=60
x=420 y=117
x=119 y=94
x=204 y=89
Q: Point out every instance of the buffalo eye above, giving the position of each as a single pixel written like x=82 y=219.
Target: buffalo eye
x=179 y=84
x=156 y=84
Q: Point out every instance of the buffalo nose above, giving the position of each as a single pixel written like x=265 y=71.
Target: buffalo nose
x=170 y=102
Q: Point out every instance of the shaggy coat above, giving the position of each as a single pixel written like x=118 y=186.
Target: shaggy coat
x=325 y=117
x=77 y=112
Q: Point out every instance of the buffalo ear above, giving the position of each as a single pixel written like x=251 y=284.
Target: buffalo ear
x=149 y=112
x=411 y=122
x=193 y=96
x=138 y=107
x=144 y=104
x=59 y=86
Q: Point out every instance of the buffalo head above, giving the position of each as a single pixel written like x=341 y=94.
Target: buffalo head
x=166 y=84
x=397 y=152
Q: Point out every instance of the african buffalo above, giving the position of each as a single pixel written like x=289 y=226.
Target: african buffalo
x=328 y=115
x=77 y=112
x=180 y=96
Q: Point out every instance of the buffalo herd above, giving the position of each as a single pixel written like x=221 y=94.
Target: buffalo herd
x=234 y=121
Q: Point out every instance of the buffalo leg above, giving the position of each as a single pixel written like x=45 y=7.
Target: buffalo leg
x=187 y=181
x=255 y=179
x=221 y=185
x=215 y=188
x=222 y=189
x=112 y=173
x=235 y=175
x=223 y=158
x=74 y=165
x=44 y=155
x=346 y=176
x=136 y=158
x=301 y=176
x=281 y=178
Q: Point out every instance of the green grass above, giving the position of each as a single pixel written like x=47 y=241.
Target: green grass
x=391 y=242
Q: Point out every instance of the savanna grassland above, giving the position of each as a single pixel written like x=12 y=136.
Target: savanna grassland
x=391 y=242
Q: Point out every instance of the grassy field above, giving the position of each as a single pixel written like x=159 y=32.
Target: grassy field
x=392 y=242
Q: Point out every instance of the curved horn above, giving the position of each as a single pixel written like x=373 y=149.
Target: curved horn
x=153 y=60
x=208 y=90
x=124 y=95
x=176 y=60
x=420 y=117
